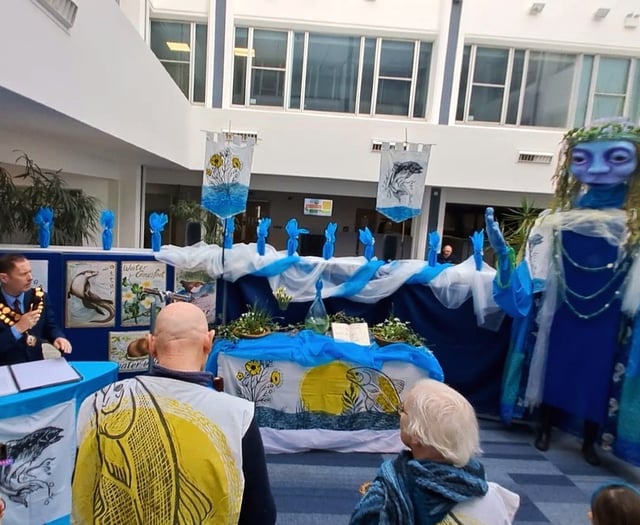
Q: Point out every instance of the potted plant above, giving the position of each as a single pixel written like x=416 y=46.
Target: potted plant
x=394 y=330
x=255 y=322
x=192 y=211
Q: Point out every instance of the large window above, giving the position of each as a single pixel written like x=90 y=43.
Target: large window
x=335 y=73
x=182 y=49
x=524 y=87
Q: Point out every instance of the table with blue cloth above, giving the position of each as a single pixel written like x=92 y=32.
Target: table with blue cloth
x=38 y=428
x=312 y=392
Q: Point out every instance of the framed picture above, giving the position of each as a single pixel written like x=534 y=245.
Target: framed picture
x=91 y=294
x=200 y=287
x=129 y=350
x=136 y=305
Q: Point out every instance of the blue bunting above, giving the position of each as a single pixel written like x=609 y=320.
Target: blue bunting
x=366 y=238
x=229 y=228
x=434 y=246
x=44 y=220
x=330 y=240
x=477 y=240
x=263 y=232
x=157 y=222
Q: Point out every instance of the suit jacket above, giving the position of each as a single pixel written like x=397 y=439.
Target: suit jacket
x=17 y=351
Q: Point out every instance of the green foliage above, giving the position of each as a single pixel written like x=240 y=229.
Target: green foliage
x=392 y=329
x=75 y=214
x=192 y=211
x=342 y=317
x=517 y=226
x=255 y=321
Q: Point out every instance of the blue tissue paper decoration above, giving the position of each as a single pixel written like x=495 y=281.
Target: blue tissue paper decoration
x=107 y=220
x=330 y=240
x=434 y=246
x=263 y=233
x=477 y=240
x=293 y=231
x=366 y=238
x=44 y=220
x=157 y=222
x=229 y=228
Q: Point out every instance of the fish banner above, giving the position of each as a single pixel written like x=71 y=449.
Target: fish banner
x=401 y=183
x=35 y=481
x=227 y=173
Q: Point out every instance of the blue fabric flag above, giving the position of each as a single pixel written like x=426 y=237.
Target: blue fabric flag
x=293 y=231
x=44 y=220
x=157 y=222
x=366 y=238
x=434 y=245
x=477 y=240
x=263 y=233
x=330 y=240
x=107 y=220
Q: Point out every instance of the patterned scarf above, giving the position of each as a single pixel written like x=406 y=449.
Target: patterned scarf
x=407 y=491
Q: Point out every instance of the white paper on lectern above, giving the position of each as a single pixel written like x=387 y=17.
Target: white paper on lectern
x=46 y=372
x=7 y=384
x=355 y=333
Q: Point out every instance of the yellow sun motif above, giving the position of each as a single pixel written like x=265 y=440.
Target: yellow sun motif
x=216 y=160
x=322 y=387
x=236 y=163
x=275 y=377
x=253 y=367
x=239 y=376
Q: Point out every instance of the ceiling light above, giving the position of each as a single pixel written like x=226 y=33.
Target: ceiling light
x=601 y=12
x=243 y=52
x=181 y=47
x=631 y=20
x=536 y=8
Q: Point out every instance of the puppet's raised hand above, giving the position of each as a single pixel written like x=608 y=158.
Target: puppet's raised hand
x=496 y=239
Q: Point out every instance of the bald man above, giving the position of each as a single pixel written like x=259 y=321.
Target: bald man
x=167 y=447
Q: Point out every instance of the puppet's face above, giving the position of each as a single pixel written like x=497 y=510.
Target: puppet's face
x=603 y=162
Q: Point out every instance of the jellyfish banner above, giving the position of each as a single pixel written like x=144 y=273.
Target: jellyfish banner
x=227 y=173
x=401 y=183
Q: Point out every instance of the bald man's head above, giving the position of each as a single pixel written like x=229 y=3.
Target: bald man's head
x=181 y=337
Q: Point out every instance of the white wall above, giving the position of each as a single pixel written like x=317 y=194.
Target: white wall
x=100 y=72
x=339 y=148
x=564 y=23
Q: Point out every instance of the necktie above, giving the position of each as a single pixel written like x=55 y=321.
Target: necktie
x=17 y=306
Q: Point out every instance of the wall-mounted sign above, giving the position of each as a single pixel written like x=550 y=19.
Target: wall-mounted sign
x=321 y=207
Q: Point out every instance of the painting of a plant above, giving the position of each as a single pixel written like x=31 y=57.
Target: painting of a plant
x=136 y=304
x=257 y=381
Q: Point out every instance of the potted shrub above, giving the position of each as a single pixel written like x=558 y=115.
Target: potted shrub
x=255 y=322
x=394 y=330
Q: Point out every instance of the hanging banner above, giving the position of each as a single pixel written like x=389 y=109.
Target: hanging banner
x=401 y=182
x=227 y=173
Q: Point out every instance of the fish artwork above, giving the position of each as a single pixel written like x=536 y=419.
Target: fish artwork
x=379 y=392
x=400 y=181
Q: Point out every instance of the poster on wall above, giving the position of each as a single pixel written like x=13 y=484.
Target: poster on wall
x=320 y=207
x=91 y=294
x=200 y=287
x=130 y=350
x=135 y=303
x=40 y=273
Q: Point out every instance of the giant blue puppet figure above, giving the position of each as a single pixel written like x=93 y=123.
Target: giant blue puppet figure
x=575 y=348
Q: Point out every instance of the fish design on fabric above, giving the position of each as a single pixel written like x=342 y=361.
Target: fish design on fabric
x=28 y=472
x=140 y=464
x=401 y=179
x=379 y=392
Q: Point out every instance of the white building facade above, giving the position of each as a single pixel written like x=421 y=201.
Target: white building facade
x=121 y=98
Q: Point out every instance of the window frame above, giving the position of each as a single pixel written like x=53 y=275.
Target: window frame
x=192 y=53
x=288 y=72
x=574 y=94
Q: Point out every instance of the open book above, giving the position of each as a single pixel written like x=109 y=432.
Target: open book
x=36 y=374
x=355 y=333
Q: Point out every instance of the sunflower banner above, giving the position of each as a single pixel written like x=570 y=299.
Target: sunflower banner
x=401 y=183
x=227 y=174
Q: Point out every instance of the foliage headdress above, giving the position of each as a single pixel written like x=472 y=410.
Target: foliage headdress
x=568 y=187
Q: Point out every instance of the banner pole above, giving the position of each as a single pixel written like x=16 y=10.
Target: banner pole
x=224 y=282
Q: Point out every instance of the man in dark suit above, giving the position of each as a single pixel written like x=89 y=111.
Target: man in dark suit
x=26 y=317
x=446 y=255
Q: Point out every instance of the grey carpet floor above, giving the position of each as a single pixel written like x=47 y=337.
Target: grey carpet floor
x=321 y=487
